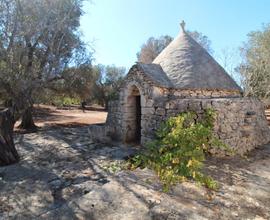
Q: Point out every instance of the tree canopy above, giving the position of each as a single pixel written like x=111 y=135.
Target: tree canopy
x=39 y=40
x=152 y=48
x=255 y=67
x=107 y=85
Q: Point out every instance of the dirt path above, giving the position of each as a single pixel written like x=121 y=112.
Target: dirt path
x=62 y=175
x=47 y=116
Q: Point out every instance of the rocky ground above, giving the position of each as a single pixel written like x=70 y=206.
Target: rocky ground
x=62 y=175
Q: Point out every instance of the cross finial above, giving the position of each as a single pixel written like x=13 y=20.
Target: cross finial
x=182 y=24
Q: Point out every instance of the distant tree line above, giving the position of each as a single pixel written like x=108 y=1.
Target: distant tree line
x=96 y=84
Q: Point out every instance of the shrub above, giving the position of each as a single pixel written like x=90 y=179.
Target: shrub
x=61 y=101
x=179 y=150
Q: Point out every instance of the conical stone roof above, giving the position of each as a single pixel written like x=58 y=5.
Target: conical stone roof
x=189 y=66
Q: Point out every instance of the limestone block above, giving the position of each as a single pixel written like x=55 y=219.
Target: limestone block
x=149 y=103
x=148 y=111
x=171 y=105
x=194 y=105
x=248 y=120
x=160 y=111
x=172 y=112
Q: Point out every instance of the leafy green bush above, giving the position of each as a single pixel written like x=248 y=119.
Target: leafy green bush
x=179 y=150
x=60 y=101
x=71 y=101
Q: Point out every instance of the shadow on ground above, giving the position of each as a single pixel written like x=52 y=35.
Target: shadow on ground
x=63 y=175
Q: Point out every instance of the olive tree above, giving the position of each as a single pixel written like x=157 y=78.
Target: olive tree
x=38 y=41
x=152 y=48
x=108 y=81
x=255 y=67
x=77 y=82
x=229 y=58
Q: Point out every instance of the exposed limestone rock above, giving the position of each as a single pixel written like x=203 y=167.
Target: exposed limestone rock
x=62 y=175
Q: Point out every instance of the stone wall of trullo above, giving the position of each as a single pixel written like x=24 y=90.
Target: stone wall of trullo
x=240 y=122
x=119 y=110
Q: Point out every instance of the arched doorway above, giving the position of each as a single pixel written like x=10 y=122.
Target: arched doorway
x=133 y=116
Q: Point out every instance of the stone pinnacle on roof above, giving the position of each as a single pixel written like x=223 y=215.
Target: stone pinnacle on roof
x=182 y=24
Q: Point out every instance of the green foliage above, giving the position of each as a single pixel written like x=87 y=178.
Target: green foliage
x=179 y=150
x=66 y=101
x=39 y=41
x=115 y=166
x=59 y=100
x=94 y=84
x=108 y=83
x=78 y=82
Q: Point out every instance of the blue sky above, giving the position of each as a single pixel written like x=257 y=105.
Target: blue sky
x=117 y=28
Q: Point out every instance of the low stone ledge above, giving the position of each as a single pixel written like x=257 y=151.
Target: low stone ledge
x=102 y=133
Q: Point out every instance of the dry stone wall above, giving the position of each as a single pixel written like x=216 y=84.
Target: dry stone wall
x=240 y=122
x=204 y=93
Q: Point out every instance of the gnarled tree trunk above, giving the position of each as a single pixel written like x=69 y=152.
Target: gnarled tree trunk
x=27 y=120
x=8 y=152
